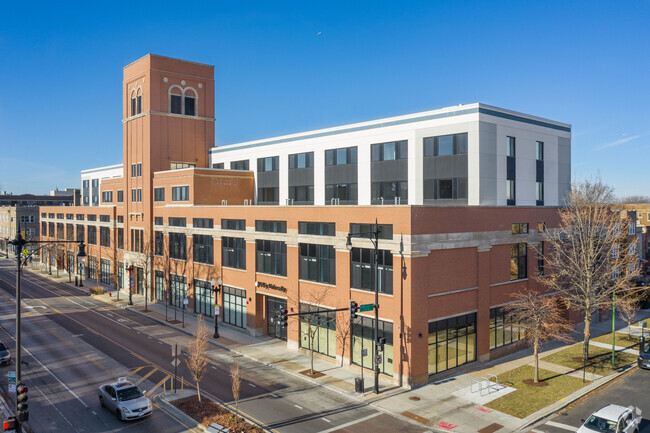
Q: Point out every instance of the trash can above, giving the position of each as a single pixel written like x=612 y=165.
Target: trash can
x=358 y=385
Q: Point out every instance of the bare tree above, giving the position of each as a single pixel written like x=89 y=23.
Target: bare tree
x=628 y=305
x=541 y=319
x=588 y=252
x=235 y=374
x=343 y=331
x=59 y=254
x=197 y=360
x=312 y=320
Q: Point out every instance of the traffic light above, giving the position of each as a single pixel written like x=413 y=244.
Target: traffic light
x=9 y=423
x=22 y=408
x=283 y=317
x=354 y=309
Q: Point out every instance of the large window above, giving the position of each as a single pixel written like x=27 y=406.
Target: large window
x=503 y=330
x=203 y=249
x=271 y=226
x=160 y=285
x=203 y=298
x=301 y=160
x=446 y=189
x=107 y=197
x=454 y=144
x=177 y=249
x=203 y=223
x=316 y=228
x=518 y=256
x=234 y=306
x=69 y=232
x=180 y=193
x=105 y=271
x=389 y=151
x=511 y=172
x=92 y=235
x=120 y=238
x=158 y=243
x=385 y=230
x=268 y=195
x=104 y=236
x=452 y=342
x=323 y=328
x=239 y=165
x=92 y=267
x=318 y=263
x=271 y=257
x=302 y=193
x=159 y=194
x=343 y=156
x=344 y=192
x=361 y=270
x=177 y=222
x=80 y=233
x=390 y=190
x=230 y=224
x=182 y=101
x=270 y=163
x=233 y=252
x=178 y=289
x=363 y=338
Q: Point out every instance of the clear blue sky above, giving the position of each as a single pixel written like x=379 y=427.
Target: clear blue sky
x=285 y=67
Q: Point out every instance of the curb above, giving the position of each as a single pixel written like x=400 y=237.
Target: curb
x=549 y=410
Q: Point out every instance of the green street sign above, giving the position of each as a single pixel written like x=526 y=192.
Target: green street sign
x=366 y=307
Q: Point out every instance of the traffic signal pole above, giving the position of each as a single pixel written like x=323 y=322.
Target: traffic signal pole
x=19 y=243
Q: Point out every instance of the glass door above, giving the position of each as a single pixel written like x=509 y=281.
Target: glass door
x=273 y=305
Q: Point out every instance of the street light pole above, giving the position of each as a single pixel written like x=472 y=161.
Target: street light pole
x=217 y=290
x=374 y=238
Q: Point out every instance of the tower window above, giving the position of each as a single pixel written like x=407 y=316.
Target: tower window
x=139 y=101
x=182 y=101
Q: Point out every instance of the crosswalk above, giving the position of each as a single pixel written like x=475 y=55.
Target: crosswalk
x=148 y=377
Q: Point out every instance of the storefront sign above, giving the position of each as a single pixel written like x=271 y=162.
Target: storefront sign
x=271 y=286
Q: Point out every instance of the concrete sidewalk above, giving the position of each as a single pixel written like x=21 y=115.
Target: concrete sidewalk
x=447 y=404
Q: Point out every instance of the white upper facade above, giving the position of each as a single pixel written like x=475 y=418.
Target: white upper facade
x=91 y=180
x=481 y=176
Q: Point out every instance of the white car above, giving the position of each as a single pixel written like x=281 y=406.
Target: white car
x=125 y=400
x=612 y=419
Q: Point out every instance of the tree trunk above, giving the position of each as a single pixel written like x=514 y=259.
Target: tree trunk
x=536 y=355
x=587 y=334
x=198 y=394
x=311 y=349
x=343 y=353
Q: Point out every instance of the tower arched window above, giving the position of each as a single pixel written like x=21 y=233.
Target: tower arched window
x=182 y=101
x=133 y=104
x=139 y=101
x=190 y=102
x=176 y=100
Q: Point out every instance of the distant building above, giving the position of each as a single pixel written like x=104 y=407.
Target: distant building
x=91 y=181
x=10 y=218
x=39 y=200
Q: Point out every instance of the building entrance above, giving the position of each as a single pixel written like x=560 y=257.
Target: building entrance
x=273 y=305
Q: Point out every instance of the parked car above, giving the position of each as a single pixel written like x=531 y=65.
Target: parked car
x=644 y=357
x=612 y=419
x=5 y=356
x=125 y=400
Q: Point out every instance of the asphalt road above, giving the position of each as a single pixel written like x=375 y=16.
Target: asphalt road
x=629 y=390
x=73 y=343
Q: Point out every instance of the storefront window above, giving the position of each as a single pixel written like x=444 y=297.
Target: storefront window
x=160 y=286
x=234 y=306
x=452 y=342
x=503 y=330
x=322 y=330
x=178 y=288
x=362 y=338
x=203 y=298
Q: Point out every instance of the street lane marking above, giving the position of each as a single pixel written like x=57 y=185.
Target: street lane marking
x=57 y=409
x=136 y=370
x=143 y=378
x=326 y=420
x=156 y=386
x=560 y=425
x=250 y=384
x=356 y=421
x=299 y=407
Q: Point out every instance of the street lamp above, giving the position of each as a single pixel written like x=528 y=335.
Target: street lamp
x=81 y=260
x=374 y=238
x=130 y=269
x=18 y=244
x=217 y=290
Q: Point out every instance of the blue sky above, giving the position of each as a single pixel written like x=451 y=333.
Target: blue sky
x=285 y=67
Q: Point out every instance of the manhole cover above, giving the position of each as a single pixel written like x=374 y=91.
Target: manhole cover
x=414 y=398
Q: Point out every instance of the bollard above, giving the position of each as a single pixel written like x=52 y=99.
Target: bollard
x=182 y=384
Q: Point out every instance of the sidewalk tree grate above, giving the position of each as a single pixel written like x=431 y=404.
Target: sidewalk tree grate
x=414 y=398
x=415 y=417
x=491 y=428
